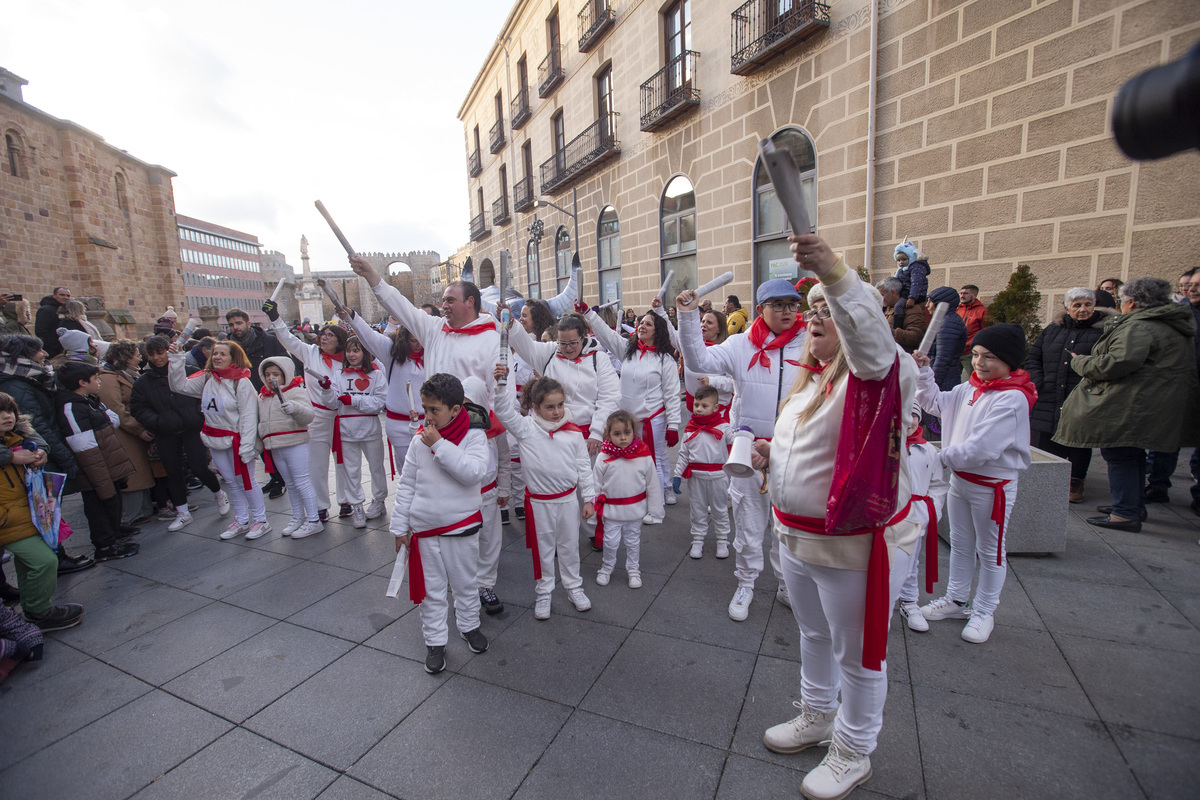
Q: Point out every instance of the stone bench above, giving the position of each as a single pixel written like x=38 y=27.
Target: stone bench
x=1038 y=523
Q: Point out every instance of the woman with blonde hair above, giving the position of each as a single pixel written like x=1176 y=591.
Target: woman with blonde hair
x=76 y=312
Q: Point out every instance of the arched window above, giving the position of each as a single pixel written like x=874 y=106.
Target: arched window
x=772 y=258
x=608 y=239
x=677 y=234
x=15 y=154
x=122 y=199
x=487 y=274
x=533 y=269
x=562 y=257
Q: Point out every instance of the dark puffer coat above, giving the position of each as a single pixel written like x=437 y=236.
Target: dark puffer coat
x=950 y=341
x=1049 y=363
x=161 y=411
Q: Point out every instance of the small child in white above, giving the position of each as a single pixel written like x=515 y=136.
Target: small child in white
x=628 y=489
x=494 y=495
x=284 y=414
x=701 y=462
x=927 y=481
x=438 y=515
x=555 y=462
x=985 y=441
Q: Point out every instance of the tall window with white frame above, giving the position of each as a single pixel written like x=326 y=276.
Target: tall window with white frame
x=562 y=257
x=677 y=234
x=608 y=240
x=533 y=269
x=772 y=258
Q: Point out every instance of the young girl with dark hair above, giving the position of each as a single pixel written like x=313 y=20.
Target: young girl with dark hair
x=626 y=487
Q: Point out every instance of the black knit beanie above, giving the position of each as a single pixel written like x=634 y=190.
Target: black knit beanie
x=1005 y=341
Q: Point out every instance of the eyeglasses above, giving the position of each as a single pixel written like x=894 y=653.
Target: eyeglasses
x=568 y=345
x=784 y=308
x=818 y=313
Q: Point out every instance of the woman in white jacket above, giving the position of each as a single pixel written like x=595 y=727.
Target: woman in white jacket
x=230 y=407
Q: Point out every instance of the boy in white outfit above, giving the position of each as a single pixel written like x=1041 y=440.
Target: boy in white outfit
x=985 y=441
x=701 y=462
x=494 y=496
x=927 y=482
x=438 y=515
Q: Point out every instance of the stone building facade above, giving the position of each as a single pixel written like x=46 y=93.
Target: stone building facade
x=414 y=283
x=992 y=141
x=276 y=270
x=78 y=212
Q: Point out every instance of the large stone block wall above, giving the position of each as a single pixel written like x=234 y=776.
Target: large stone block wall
x=994 y=143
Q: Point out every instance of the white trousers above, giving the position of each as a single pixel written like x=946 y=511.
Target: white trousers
x=557 y=534
x=449 y=561
x=491 y=540
x=828 y=605
x=910 y=587
x=628 y=532
x=973 y=538
x=320 y=447
x=349 y=472
x=517 y=476
x=292 y=464
x=662 y=454
x=399 y=436
x=238 y=496
x=709 y=498
x=752 y=513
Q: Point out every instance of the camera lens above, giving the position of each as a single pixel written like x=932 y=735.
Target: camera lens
x=1157 y=113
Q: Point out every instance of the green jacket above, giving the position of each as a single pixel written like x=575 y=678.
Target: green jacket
x=1139 y=386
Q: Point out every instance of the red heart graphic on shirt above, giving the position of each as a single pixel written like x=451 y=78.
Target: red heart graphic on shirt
x=362 y=383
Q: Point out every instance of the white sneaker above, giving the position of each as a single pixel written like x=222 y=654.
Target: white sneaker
x=697 y=550
x=635 y=579
x=913 y=616
x=222 y=502
x=809 y=729
x=541 y=609
x=649 y=520
x=316 y=526
x=296 y=524
x=376 y=509
x=603 y=576
x=182 y=519
x=358 y=517
x=259 y=529
x=838 y=773
x=979 y=628
x=781 y=596
x=722 y=549
x=234 y=530
x=579 y=599
x=739 y=607
x=670 y=498
x=945 y=608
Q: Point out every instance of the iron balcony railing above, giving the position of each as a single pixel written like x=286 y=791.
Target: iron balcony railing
x=585 y=152
x=496 y=136
x=762 y=29
x=671 y=93
x=550 y=72
x=595 y=18
x=523 y=194
x=520 y=109
x=474 y=163
x=500 y=212
x=479 y=228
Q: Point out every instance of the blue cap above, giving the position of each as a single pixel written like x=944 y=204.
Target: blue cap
x=776 y=289
x=909 y=249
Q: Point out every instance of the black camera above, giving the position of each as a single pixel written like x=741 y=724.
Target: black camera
x=1157 y=113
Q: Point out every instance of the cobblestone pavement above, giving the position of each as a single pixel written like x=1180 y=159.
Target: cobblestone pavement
x=277 y=668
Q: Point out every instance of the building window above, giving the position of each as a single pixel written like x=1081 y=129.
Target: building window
x=772 y=256
x=677 y=26
x=562 y=257
x=604 y=91
x=559 y=140
x=15 y=153
x=533 y=269
x=608 y=239
x=677 y=234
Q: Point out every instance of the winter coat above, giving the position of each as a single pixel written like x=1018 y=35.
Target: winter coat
x=947 y=349
x=36 y=398
x=974 y=316
x=276 y=428
x=115 y=391
x=1139 y=386
x=1049 y=363
x=915 y=278
x=737 y=321
x=46 y=324
x=16 y=523
x=90 y=432
x=160 y=410
x=913 y=326
x=258 y=345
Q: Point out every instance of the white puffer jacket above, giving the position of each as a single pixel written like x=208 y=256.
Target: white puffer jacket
x=277 y=429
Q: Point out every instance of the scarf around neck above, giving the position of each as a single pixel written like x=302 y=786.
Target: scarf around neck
x=758 y=338
x=636 y=449
x=456 y=429
x=40 y=374
x=230 y=373
x=645 y=348
x=265 y=391
x=471 y=330
x=1018 y=380
x=330 y=358
x=705 y=424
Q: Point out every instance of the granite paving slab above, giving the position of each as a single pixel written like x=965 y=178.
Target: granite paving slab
x=56 y=657
x=356 y=612
x=699 y=611
x=346 y=788
x=184 y=556
x=99 y=586
x=128 y=618
x=284 y=593
x=1089 y=562
x=244 y=569
x=1165 y=570
x=1166 y=767
x=362 y=554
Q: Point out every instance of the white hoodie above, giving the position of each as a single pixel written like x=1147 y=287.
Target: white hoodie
x=629 y=477
x=399 y=376
x=358 y=421
x=310 y=357
x=550 y=464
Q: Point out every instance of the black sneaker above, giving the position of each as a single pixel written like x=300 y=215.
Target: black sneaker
x=57 y=618
x=116 y=550
x=141 y=519
x=271 y=485
x=194 y=483
x=277 y=492
x=476 y=641
x=323 y=514
x=491 y=604
x=504 y=516
x=125 y=531
x=435 y=658
x=1157 y=496
x=68 y=564
x=345 y=510
x=520 y=512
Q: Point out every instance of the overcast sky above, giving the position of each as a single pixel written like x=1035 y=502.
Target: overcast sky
x=263 y=106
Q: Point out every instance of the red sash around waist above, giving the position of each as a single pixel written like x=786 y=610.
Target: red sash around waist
x=531 y=525
x=931 y=541
x=999 y=501
x=648 y=433
x=337 y=432
x=416 y=575
x=397 y=415
x=239 y=468
x=602 y=501
x=323 y=408
x=702 y=466
x=488 y=488
x=268 y=461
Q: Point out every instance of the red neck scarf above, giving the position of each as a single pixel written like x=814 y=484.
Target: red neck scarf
x=636 y=449
x=575 y=360
x=758 y=337
x=1018 y=381
x=418 y=358
x=707 y=343
x=230 y=373
x=330 y=358
x=645 y=348
x=496 y=428
x=354 y=371
x=566 y=426
x=266 y=390
x=817 y=368
x=471 y=330
x=916 y=437
x=705 y=424
x=456 y=429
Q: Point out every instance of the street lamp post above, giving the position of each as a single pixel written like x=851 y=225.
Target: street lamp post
x=574 y=215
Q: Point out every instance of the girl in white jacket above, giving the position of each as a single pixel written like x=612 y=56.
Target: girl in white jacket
x=626 y=491
x=284 y=414
x=359 y=392
x=927 y=480
x=230 y=407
